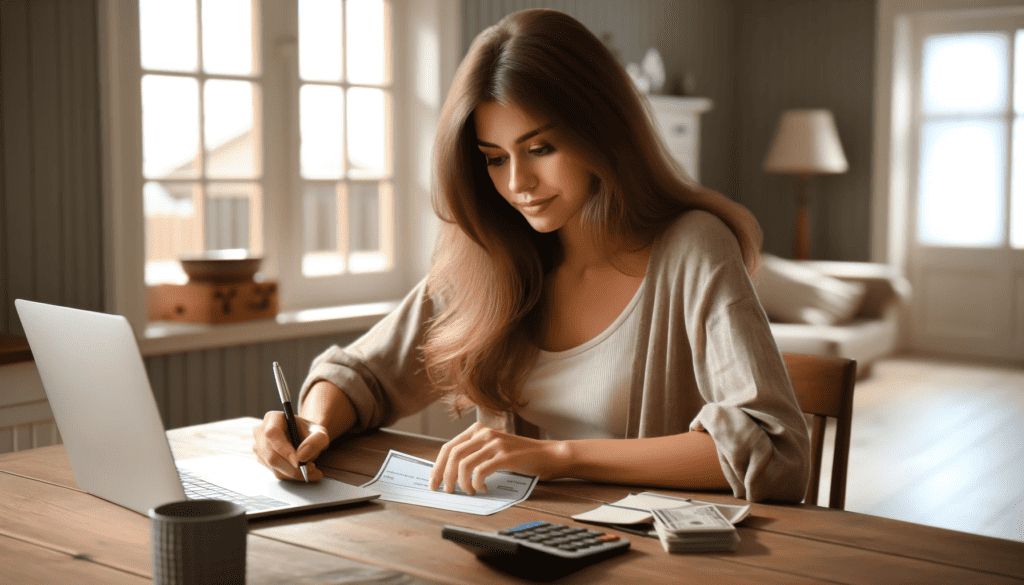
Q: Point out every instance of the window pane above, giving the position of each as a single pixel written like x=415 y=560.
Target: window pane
x=167 y=35
x=320 y=218
x=323 y=231
x=320 y=49
x=227 y=37
x=363 y=217
x=229 y=128
x=1017 y=189
x=962 y=183
x=368 y=117
x=965 y=73
x=320 y=124
x=365 y=36
x=170 y=127
x=369 y=227
x=1018 y=73
x=233 y=217
x=173 y=227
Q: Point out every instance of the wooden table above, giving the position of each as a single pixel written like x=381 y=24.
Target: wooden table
x=52 y=532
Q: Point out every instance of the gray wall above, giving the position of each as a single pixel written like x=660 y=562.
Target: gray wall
x=754 y=58
x=796 y=54
x=51 y=242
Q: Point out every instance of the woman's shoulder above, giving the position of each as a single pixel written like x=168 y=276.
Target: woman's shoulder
x=698 y=232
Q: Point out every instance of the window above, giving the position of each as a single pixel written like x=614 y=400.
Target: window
x=969 y=116
x=293 y=129
x=202 y=133
x=345 y=105
x=201 y=145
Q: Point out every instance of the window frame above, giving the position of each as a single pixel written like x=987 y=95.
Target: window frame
x=426 y=49
x=930 y=24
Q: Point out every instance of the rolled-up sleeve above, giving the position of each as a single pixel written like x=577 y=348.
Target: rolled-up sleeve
x=750 y=408
x=382 y=372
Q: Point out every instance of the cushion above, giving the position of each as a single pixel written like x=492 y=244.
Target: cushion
x=791 y=292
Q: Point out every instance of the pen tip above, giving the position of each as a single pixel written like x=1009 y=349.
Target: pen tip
x=305 y=475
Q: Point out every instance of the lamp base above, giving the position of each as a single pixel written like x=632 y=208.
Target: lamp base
x=802 y=234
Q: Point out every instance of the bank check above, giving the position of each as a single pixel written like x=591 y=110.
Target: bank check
x=404 y=478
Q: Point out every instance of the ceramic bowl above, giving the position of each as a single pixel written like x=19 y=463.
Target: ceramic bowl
x=221 y=266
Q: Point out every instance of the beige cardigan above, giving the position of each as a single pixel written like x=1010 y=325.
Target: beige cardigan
x=709 y=363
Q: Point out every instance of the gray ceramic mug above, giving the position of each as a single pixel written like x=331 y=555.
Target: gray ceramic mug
x=199 y=542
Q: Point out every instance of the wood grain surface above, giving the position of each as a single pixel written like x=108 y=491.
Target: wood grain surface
x=49 y=527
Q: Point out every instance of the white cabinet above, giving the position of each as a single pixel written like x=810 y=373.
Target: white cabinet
x=678 y=119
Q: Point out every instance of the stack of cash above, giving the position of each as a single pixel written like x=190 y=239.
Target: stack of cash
x=694 y=529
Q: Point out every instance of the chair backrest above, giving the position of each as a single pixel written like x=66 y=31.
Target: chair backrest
x=824 y=388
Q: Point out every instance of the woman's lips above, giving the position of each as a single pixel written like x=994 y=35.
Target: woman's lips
x=535 y=207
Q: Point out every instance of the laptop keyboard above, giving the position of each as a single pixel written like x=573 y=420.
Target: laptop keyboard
x=200 y=489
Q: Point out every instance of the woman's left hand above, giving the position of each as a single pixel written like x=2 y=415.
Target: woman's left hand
x=479 y=451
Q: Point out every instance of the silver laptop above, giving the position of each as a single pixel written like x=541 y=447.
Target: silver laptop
x=100 y=396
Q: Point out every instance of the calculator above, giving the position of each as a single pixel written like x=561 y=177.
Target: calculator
x=538 y=550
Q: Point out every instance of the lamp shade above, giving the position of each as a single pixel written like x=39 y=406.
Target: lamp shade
x=806 y=143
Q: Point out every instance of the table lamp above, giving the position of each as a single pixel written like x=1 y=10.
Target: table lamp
x=806 y=143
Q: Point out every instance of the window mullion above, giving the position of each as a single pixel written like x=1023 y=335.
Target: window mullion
x=1008 y=120
x=203 y=209
x=343 y=221
x=279 y=117
x=344 y=40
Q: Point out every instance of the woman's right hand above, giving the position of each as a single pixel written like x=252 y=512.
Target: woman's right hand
x=274 y=450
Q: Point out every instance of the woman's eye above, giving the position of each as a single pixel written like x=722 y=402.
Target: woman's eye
x=543 y=149
x=495 y=161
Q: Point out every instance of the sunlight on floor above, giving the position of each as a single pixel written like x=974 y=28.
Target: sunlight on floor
x=939 y=443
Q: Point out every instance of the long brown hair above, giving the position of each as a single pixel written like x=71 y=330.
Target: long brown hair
x=489 y=264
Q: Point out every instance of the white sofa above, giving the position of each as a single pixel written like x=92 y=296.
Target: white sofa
x=870 y=333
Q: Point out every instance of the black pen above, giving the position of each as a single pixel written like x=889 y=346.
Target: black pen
x=289 y=415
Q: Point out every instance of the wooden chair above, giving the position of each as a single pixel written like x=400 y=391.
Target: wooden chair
x=824 y=388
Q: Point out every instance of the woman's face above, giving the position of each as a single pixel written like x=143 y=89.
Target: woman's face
x=544 y=183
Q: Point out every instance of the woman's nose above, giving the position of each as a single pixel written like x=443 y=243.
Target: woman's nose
x=521 y=177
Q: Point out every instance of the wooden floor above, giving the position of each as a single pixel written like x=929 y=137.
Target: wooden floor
x=940 y=443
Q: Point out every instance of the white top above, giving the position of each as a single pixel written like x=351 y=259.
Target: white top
x=583 y=392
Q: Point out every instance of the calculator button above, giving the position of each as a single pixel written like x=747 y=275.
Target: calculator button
x=529 y=525
x=567 y=547
x=577 y=530
x=608 y=538
x=546 y=530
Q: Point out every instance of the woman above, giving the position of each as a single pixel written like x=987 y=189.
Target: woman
x=586 y=297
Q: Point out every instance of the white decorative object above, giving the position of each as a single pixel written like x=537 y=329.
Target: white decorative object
x=654 y=69
x=638 y=77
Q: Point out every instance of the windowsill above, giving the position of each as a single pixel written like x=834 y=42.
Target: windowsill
x=163 y=337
